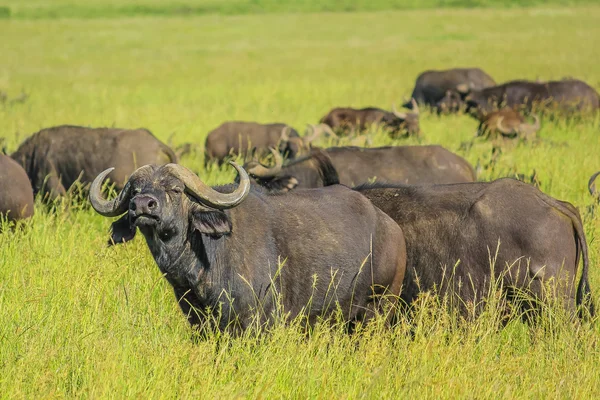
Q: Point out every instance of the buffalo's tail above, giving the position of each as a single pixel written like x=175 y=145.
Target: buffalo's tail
x=583 y=299
x=327 y=171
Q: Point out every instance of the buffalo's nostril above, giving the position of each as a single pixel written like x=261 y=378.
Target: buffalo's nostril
x=152 y=204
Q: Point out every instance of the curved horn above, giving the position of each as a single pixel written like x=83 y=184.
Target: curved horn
x=117 y=206
x=415 y=106
x=328 y=130
x=501 y=127
x=314 y=134
x=207 y=195
x=285 y=136
x=397 y=113
x=592 y=184
x=317 y=130
x=261 y=171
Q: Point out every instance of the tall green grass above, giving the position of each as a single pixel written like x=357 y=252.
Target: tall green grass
x=78 y=319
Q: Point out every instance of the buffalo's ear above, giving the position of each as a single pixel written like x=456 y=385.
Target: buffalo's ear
x=213 y=223
x=121 y=231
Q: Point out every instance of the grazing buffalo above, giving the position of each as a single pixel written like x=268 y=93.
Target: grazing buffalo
x=566 y=96
x=356 y=165
x=231 y=256
x=352 y=120
x=55 y=158
x=443 y=89
x=592 y=185
x=235 y=138
x=507 y=123
x=454 y=231
x=16 y=194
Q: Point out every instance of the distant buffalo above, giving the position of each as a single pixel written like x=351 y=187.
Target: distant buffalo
x=443 y=90
x=234 y=138
x=566 y=96
x=55 y=158
x=356 y=165
x=507 y=123
x=351 y=120
x=16 y=194
x=233 y=254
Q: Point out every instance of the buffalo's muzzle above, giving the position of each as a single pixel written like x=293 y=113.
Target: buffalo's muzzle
x=144 y=210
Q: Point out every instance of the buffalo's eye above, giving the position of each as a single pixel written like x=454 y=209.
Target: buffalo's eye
x=176 y=190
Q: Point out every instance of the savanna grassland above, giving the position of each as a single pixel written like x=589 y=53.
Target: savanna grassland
x=78 y=319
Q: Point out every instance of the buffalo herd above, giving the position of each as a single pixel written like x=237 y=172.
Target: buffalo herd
x=319 y=231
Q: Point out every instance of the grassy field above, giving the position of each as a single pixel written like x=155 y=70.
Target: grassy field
x=80 y=320
x=49 y=9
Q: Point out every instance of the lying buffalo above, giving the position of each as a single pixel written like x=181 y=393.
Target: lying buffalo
x=16 y=194
x=592 y=185
x=356 y=165
x=235 y=138
x=351 y=120
x=443 y=89
x=454 y=231
x=565 y=96
x=220 y=251
x=55 y=158
x=508 y=123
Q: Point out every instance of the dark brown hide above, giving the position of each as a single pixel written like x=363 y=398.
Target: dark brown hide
x=567 y=96
x=16 y=194
x=234 y=138
x=462 y=225
x=442 y=89
x=336 y=248
x=356 y=165
x=347 y=120
x=54 y=158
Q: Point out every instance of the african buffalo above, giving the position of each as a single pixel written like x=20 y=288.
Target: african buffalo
x=235 y=138
x=16 y=194
x=565 y=96
x=442 y=89
x=55 y=158
x=351 y=120
x=507 y=123
x=454 y=231
x=221 y=251
x=356 y=165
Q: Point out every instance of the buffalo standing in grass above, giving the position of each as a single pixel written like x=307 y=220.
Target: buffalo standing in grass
x=16 y=194
x=356 y=165
x=220 y=251
x=453 y=231
x=508 y=123
x=351 y=120
x=567 y=96
x=56 y=158
x=444 y=90
x=235 y=138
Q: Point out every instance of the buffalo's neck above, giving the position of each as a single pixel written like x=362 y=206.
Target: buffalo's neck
x=183 y=262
